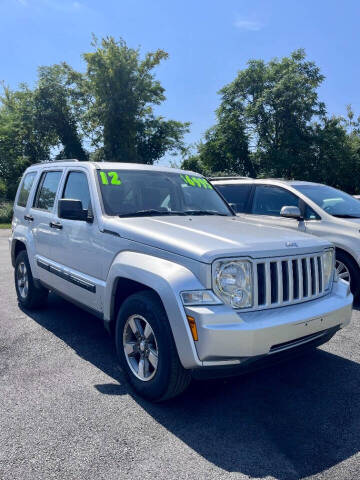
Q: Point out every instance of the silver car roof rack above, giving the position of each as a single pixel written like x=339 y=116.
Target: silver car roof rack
x=59 y=160
x=230 y=178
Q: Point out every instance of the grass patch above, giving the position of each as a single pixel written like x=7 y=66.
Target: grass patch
x=4 y=226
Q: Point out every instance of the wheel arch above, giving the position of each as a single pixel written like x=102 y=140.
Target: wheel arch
x=134 y=271
x=123 y=288
x=347 y=253
x=16 y=247
x=354 y=276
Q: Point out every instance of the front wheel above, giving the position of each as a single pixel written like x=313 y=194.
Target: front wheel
x=147 y=350
x=347 y=270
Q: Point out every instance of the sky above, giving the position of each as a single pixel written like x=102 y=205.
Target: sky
x=208 y=42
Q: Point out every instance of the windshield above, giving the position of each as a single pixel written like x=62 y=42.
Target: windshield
x=333 y=201
x=143 y=193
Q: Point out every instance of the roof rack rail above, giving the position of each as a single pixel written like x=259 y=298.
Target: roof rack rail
x=230 y=178
x=59 y=160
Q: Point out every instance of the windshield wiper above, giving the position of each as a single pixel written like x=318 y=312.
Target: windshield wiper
x=345 y=215
x=154 y=212
x=150 y=213
x=204 y=212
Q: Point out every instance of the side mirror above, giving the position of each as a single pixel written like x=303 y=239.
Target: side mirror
x=72 y=210
x=291 y=212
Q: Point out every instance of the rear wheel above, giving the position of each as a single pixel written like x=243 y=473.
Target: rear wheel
x=147 y=350
x=347 y=270
x=29 y=295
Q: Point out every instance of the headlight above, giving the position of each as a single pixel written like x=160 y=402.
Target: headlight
x=329 y=267
x=199 y=297
x=232 y=282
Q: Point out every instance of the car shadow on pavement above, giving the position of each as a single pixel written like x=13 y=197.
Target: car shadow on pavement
x=288 y=421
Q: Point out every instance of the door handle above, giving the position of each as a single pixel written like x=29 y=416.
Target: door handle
x=56 y=225
x=29 y=218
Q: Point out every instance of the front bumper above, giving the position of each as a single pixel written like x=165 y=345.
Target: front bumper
x=230 y=337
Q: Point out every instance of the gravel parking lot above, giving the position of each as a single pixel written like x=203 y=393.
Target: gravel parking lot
x=66 y=413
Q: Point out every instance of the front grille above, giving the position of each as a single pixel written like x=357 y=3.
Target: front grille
x=283 y=281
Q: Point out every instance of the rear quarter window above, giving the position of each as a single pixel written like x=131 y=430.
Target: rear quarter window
x=25 y=189
x=237 y=195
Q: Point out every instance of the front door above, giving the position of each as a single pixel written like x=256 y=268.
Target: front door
x=79 y=246
x=267 y=203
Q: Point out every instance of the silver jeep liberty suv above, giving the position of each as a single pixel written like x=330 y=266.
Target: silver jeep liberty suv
x=182 y=283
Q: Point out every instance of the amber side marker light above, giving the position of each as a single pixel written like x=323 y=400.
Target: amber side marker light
x=192 y=325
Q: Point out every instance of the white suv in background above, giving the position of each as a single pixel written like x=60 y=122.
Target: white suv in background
x=310 y=207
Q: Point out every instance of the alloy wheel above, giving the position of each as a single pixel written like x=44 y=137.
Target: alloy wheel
x=140 y=347
x=22 y=280
x=342 y=271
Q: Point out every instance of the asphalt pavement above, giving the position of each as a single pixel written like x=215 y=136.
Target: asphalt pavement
x=66 y=412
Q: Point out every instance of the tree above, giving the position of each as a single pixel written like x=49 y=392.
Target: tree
x=226 y=146
x=55 y=110
x=194 y=164
x=277 y=102
x=109 y=109
x=334 y=156
x=22 y=142
x=119 y=92
x=264 y=121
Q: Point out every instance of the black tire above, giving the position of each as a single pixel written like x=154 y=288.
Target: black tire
x=33 y=297
x=354 y=271
x=170 y=378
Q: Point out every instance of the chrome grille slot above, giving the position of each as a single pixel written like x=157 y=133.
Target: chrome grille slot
x=305 y=277
x=319 y=268
x=312 y=268
x=285 y=278
x=274 y=282
x=261 y=283
x=283 y=281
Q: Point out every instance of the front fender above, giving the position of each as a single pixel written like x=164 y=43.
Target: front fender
x=168 y=279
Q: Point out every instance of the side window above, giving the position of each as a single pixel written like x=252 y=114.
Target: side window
x=310 y=214
x=237 y=195
x=47 y=189
x=26 y=188
x=77 y=188
x=269 y=200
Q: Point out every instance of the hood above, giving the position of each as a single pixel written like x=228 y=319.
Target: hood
x=206 y=238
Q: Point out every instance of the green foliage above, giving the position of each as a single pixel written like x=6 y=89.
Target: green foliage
x=56 y=111
x=21 y=140
x=109 y=108
x=278 y=101
x=194 y=164
x=119 y=91
x=6 y=212
x=271 y=123
x=334 y=156
x=226 y=146
x=3 y=189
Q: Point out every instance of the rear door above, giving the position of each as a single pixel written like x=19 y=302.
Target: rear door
x=41 y=212
x=21 y=207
